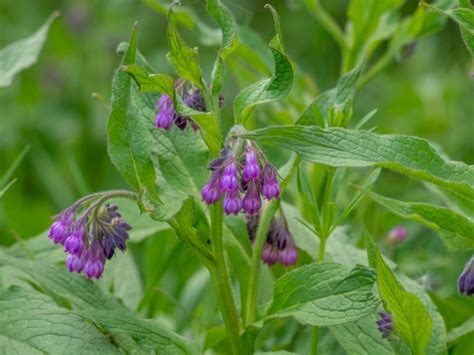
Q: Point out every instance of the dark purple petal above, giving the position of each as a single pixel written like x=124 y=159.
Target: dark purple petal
x=74 y=263
x=232 y=203
x=466 y=279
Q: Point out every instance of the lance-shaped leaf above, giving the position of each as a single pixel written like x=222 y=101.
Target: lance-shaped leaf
x=23 y=53
x=464 y=17
x=457 y=231
x=151 y=336
x=31 y=323
x=341 y=147
x=411 y=319
x=128 y=139
x=185 y=60
x=337 y=101
x=226 y=21
x=457 y=333
x=324 y=294
x=149 y=82
x=273 y=89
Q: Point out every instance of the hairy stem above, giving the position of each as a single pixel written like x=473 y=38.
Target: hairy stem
x=221 y=280
x=266 y=216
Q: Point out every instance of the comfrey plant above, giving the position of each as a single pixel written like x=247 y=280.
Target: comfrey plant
x=261 y=206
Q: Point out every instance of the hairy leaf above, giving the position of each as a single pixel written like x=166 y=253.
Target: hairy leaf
x=185 y=60
x=273 y=89
x=148 y=82
x=128 y=139
x=457 y=231
x=324 y=294
x=23 y=53
x=32 y=323
x=340 y=147
x=458 y=332
x=149 y=334
x=411 y=319
x=361 y=337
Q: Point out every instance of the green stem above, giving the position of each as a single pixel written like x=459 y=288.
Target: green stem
x=266 y=216
x=221 y=280
x=314 y=340
x=327 y=22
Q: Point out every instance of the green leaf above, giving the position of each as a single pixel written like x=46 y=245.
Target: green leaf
x=324 y=294
x=457 y=231
x=458 y=332
x=226 y=21
x=273 y=89
x=361 y=337
x=185 y=60
x=464 y=17
x=128 y=138
x=337 y=102
x=73 y=287
x=340 y=147
x=23 y=53
x=411 y=319
x=32 y=323
x=149 y=334
x=149 y=82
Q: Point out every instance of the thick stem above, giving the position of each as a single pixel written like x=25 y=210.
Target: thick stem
x=221 y=280
x=266 y=216
x=314 y=340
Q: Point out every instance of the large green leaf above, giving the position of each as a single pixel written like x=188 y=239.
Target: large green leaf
x=149 y=82
x=57 y=280
x=324 y=294
x=268 y=90
x=341 y=147
x=185 y=60
x=128 y=137
x=334 y=106
x=226 y=21
x=31 y=323
x=149 y=334
x=361 y=337
x=23 y=53
x=411 y=319
x=464 y=17
x=457 y=230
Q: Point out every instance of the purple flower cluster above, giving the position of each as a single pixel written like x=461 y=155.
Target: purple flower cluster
x=279 y=246
x=166 y=115
x=466 y=279
x=90 y=239
x=232 y=176
x=384 y=324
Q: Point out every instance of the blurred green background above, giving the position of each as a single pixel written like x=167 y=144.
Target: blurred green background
x=50 y=107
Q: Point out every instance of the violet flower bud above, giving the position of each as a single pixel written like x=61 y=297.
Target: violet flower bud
x=252 y=202
x=228 y=181
x=466 y=279
x=271 y=188
x=232 y=203
x=74 y=263
x=384 y=324
x=165 y=112
x=74 y=244
x=269 y=254
x=61 y=228
x=251 y=168
x=94 y=261
x=396 y=235
x=210 y=192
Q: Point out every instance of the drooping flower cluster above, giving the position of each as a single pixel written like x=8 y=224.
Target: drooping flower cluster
x=385 y=324
x=279 y=245
x=396 y=235
x=466 y=279
x=166 y=115
x=250 y=174
x=90 y=239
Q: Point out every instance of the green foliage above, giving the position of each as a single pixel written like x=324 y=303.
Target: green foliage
x=346 y=295
x=339 y=147
x=411 y=319
x=23 y=53
x=268 y=90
